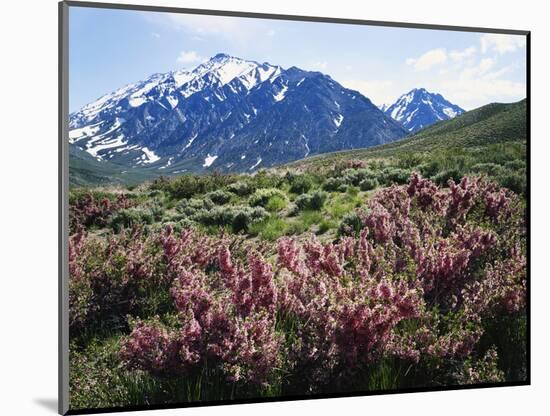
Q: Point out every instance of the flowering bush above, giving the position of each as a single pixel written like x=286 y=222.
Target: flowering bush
x=415 y=278
x=89 y=210
x=129 y=273
x=228 y=321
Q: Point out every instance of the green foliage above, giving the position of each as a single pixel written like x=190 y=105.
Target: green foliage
x=352 y=191
x=332 y=184
x=368 y=184
x=342 y=188
x=491 y=169
x=326 y=225
x=409 y=160
x=395 y=176
x=130 y=218
x=276 y=203
x=351 y=224
x=270 y=229
x=429 y=168
x=219 y=216
x=262 y=196
x=515 y=164
x=219 y=197
x=238 y=218
x=262 y=179
x=190 y=207
x=309 y=218
x=300 y=184
x=443 y=177
x=313 y=201
x=338 y=207
x=244 y=217
x=355 y=176
x=187 y=186
x=514 y=180
x=96 y=380
x=240 y=188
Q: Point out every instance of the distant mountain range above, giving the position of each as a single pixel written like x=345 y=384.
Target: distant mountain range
x=419 y=109
x=227 y=114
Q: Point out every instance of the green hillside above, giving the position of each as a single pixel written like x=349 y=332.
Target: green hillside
x=84 y=170
x=494 y=125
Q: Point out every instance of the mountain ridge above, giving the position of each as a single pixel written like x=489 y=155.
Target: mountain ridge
x=228 y=114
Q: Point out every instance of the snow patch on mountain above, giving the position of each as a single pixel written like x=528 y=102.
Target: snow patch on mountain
x=281 y=94
x=190 y=142
x=150 y=156
x=255 y=165
x=83 y=132
x=106 y=144
x=209 y=160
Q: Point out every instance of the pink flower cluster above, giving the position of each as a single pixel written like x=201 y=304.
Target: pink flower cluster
x=429 y=266
x=89 y=210
x=110 y=278
x=227 y=322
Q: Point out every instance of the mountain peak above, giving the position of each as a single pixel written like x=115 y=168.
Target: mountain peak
x=229 y=114
x=224 y=57
x=420 y=108
x=221 y=55
x=417 y=92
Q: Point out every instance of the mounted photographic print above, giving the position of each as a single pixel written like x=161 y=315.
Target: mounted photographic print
x=265 y=207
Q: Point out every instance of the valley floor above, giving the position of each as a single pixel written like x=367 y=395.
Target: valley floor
x=348 y=272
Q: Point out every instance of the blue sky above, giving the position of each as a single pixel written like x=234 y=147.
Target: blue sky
x=111 y=48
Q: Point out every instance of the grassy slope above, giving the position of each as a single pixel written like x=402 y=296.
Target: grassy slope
x=84 y=170
x=487 y=125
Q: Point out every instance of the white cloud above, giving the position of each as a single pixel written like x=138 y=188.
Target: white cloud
x=501 y=43
x=480 y=84
x=479 y=70
x=155 y=35
x=428 y=59
x=189 y=57
x=458 y=56
x=271 y=33
x=472 y=93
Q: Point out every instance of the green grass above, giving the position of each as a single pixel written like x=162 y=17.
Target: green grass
x=270 y=229
x=276 y=203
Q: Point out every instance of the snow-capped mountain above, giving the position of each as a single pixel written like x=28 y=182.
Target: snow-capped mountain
x=227 y=114
x=420 y=108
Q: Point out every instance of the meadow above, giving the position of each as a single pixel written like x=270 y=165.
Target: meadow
x=393 y=268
